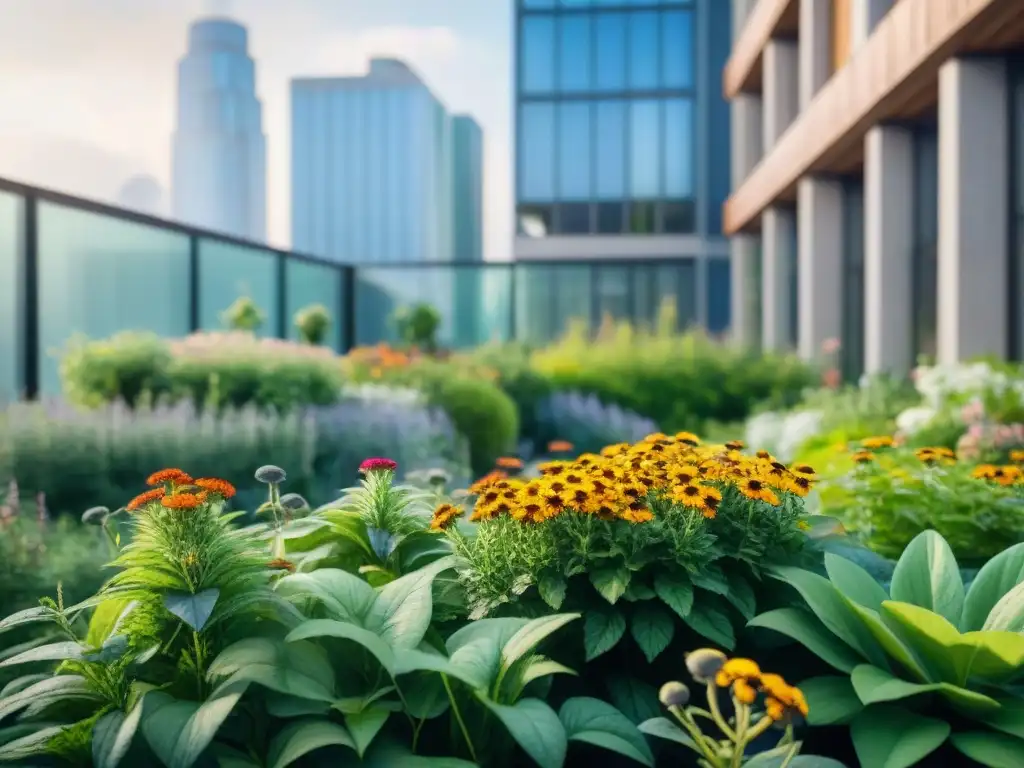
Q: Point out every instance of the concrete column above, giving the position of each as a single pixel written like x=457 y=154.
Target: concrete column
x=740 y=11
x=815 y=47
x=747 y=127
x=973 y=209
x=778 y=238
x=820 y=257
x=745 y=324
x=888 y=250
x=781 y=89
x=865 y=17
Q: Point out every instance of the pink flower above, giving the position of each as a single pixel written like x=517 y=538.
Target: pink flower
x=830 y=346
x=378 y=465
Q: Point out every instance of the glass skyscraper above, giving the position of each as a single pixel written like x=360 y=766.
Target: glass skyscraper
x=468 y=207
x=219 y=174
x=372 y=168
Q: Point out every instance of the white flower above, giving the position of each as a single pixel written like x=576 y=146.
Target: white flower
x=913 y=420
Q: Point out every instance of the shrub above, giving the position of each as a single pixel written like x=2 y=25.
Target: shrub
x=587 y=423
x=417 y=326
x=243 y=315
x=313 y=323
x=919 y=663
x=125 y=367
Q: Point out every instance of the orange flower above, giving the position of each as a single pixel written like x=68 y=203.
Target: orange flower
x=280 y=564
x=487 y=481
x=144 y=498
x=169 y=476
x=444 y=516
x=216 y=486
x=559 y=446
x=509 y=462
x=184 y=500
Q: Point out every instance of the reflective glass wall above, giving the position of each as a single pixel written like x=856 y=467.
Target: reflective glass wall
x=1016 y=250
x=11 y=219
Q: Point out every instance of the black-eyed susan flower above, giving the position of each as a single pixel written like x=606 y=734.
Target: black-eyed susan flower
x=688 y=438
x=862 y=457
x=876 y=443
x=735 y=445
x=688 y=496
x=444 y=516
x=756 y=489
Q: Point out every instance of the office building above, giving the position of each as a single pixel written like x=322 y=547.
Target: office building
x=468 y=189
x=876 y=196
x=372 y=167
x=219 y=168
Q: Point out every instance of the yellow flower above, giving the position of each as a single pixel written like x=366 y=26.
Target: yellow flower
x=711 y=497
x=1017 y=456
x=735 y=445
x=755 y=489
x=684 y=474
x=688 y=438
x=744 y=692
x=444 y=516
x=863 y=457
x=737 y=669
x=875 y=443
x=688 y=496
x=614 y=450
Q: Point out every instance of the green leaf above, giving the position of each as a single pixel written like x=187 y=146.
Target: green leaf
x=112 y=736
x=596 y=722
x=293 y=668
x=663 y=728
x=888 y=736
x=1007 y=615
x=529 y=637
x=304 y=736
x=1009 y=718
x=603 y=627
x=811 y=633
x=854 y=582
x=763 y=760
x=928 y=576
x=935 y=640
x=741 y=595
x=712 y=579
x=774 y=757
x=829 y=605
x=62 y=651
x=287 y=707
x=875 y=685
x=364 y=726
x=894 y=646
x=831 y=700
x=180 y=731
x=611 y=583
x=552 y=589
x=425 y=696
x=392 y=755
x=540 y=666
x=401 y=613
x=48 y=691
x=195 y=610
x=676 y=592
x=33 y=744
x=343 y=594
x=634 y=698
x=997 y=577
x=27 y=616
x=535 y=728
x=990 y=749
x=652 y=627
x=342 y=630
x=712 y=624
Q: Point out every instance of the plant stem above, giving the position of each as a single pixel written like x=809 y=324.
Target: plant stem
x=458 y=718
x=716 y=713
x=199 y=664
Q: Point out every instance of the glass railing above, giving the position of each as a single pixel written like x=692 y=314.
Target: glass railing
x=71 y=268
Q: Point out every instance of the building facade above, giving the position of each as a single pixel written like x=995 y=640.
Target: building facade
x=219 y=149
x=876 y=149
x=372 y=167
x=468 y=189
x=622 y=145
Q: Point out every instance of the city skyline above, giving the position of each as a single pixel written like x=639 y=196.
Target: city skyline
x=84 y=118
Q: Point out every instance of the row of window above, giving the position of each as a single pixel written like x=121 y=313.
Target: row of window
x=605 y=150
x=572 y=4
x=606 y=52
x=639 y=217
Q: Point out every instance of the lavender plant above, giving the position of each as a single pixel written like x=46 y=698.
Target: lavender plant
x=589 y=424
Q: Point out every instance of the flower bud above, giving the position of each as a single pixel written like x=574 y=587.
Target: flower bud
x=294 y=502
x=95 y=515
x=674 y=694
x=704 y=663
x=271 y=475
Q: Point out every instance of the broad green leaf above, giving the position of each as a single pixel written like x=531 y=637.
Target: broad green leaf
x=46 y=692
x=831 y=700
x=499 y=631
x=180 y=731
x=540 y=666
x=535 y=728
x=28 y=746
x=195 y=610
x=364 y=726
x=305 y=736
x=995 y=655
x=342 y=630
x=529 y=637
x=596 y=722
x=811 y=633
x=800 y=761
x=712 y=579
x=390 y=754
x=712 y=624
x=663 y=728
x=928 y=576
x=27 y=616
x=994 y=750
x=611 y=583
x=653 y=628
x=343 y=594
x=634 y=698
x=112 y=736
x=19 y=684
x=477 y=664
x=552 y=590
x=935 y=640
x=854 y=582
x=425 y=696
x=888 y=736
x=1007 y=615
x=828 y=604
x=103 y=620
x=874 y=686
x=287 y=707
x=603 y=627
x=741 y=595
x=997 y=577
x=401 y=613
x=293 y=668
x=676 y=592
x=775 y=757
x=1009 y=718
x=894 y=647
x=66 y=650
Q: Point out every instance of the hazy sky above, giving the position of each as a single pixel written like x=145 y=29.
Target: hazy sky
x=87 y=87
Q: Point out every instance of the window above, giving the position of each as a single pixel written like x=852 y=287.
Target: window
x=538 y=3
x=678 y=217
x=574 y=155
x=537 y=62
x=610 y=53
x=612 y=292
x=642 y=218
x=12 y=211
x=610 y=140
x=307 y=284
x=536 y=158
x=643 y=51
x=677 y=49
x=574 y=53
x=719 y=295
x=609 y=218
x=534 y=220
x=574 y=218
x=679 y=148
x=644 y=141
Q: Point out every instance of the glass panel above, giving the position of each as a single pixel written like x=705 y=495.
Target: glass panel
x=678 y=217
x=645 y=296
x=534 y=220
x=534 y=303
x=574 y=53
x=574 y=151
x=228 y=272
x=643 y=51
x=537 y=151
x=610 y=138
x=644 y=139
x=686 y=292
x=612 y=288
x=572 y=298
x=677 y=49
x=538 y=3
x=307 y=284
x=609 y=218
x=679 y=148
x=537 y=62
x=12 y=208
x=610 y=53
x=642 y=217
x=574 y=218
x=99 y=275
x=719 y=295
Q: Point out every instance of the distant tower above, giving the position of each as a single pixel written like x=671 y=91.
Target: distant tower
x=219 y=147
x=142 y=193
